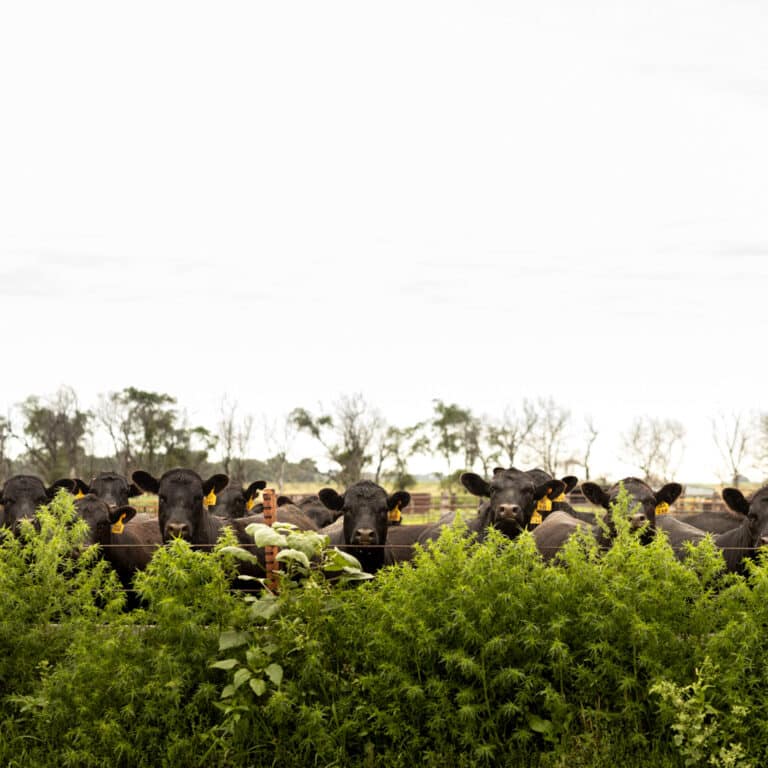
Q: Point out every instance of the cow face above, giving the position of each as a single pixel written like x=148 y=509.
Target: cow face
x=235 y=501
x=21 y=495
x=512 y=497
x=755 y=511
x=180 y=510
x=104 y=520
x=643 y=499
x=365 y=507
x=113 y=488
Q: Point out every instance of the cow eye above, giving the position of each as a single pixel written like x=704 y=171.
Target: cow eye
x=162 y=499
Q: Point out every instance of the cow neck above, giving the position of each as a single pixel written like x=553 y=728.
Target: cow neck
x=736 y=545
x=209 y=530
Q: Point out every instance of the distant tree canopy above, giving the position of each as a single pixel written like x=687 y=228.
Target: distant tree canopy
x=148 y=430
x=347 y=434
x=53 y=433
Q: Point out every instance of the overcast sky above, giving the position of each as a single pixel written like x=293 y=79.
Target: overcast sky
x=472 y=201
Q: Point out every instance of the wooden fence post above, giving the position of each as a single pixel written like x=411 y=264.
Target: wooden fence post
x=270 y=552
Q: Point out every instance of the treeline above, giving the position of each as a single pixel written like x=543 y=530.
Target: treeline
x=146 y=430
x=55 y=437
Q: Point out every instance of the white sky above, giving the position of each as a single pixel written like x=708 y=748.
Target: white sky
x=472 y=201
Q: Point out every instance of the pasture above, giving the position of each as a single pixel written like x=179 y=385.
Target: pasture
x=474 y=655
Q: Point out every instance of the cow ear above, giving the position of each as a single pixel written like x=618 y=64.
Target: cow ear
x=80 y=488
x=145 y=481
x=331 y=499
x=134 y=490
x=735 y=500
x=496 y=470
x=399 y=499
x=215 y=483
x=63 y=482
x=669 y=493
x=475 y=484
x=552 y=489
x=252 y=491
x=595 y=494
x=283 y=500
x=571 y=481
x=115 y=514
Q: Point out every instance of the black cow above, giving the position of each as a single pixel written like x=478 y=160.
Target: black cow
x=180 y=510
x=238 y=501
x=401 y=540
x=740 y=543
x=127 y=541
x=512 y=498
x=113 y=487
x=714 y=520
x=21 y=495
x=558 y=527
x=744 y=541
x=182 y=514
x=313 y=507
x=365 y=508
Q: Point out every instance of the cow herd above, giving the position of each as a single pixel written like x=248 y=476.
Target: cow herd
x=364 y=518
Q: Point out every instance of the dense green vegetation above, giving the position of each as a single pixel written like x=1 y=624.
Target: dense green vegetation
x=478 y=655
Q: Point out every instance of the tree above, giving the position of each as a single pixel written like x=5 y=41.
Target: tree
x=5 y=460
x=347 y=434
x=187 y=446
x=512 y=432
x=591 y=436
x=234 y=436
x=53 y=433
x=456 y=432
x=279 y=435
x=398 y=446
x=145 y=431
x=729 y=432
x=548 y=434
x=654 y=446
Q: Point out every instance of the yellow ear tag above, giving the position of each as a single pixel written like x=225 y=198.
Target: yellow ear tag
x=79 y=494
x=662 y=509
x=250 y=504
x=210 y=500
x=544 y=505
x=119 y=526
x=536 y=517
x=561 y=497
x=395 y=515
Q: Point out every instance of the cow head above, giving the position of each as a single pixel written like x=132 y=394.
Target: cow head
x=512 y=497
x=105 y=521
x=642 y=504
x=755 y=511
x=365 y=507
x=553 y=501
x=21 y=495
x=235 y=501
x=180 y=509
x=112 y=487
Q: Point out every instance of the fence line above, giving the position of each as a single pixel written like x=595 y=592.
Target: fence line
x=437 y=504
